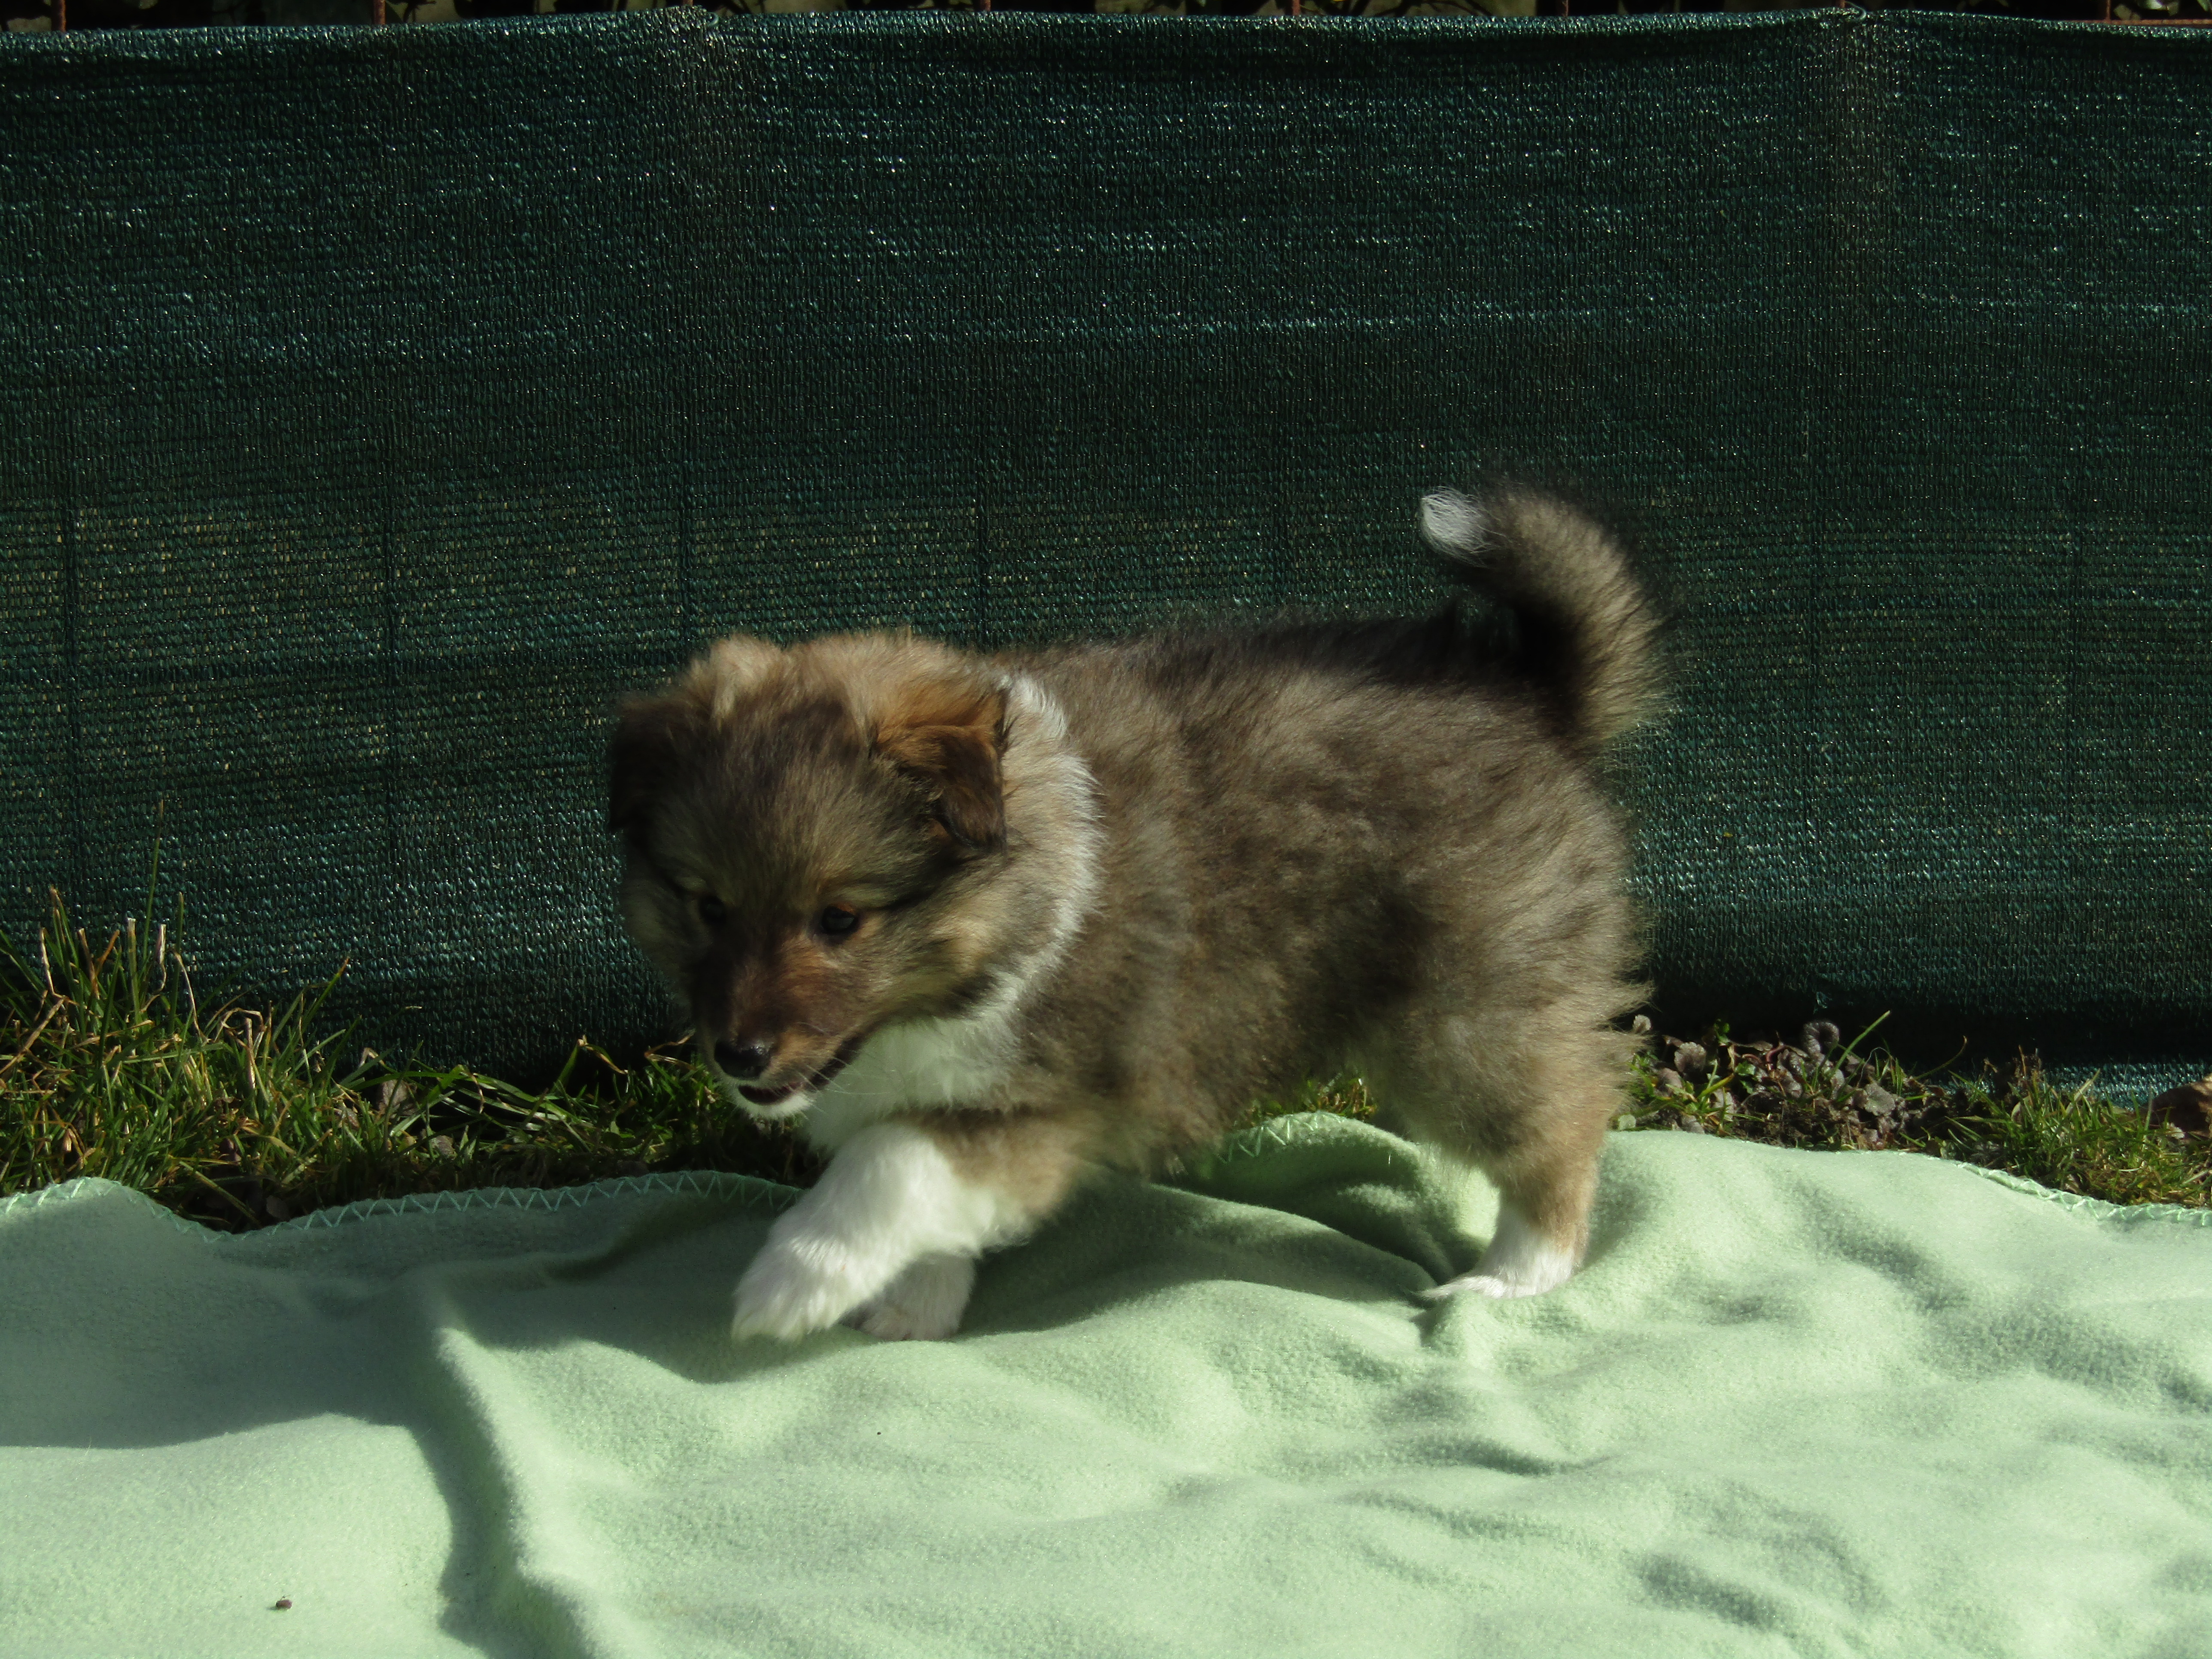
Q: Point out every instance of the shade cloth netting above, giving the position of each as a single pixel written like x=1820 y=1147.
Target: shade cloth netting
x=376 y=407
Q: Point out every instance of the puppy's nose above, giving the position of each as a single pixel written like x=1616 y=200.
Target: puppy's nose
x=741 y=1059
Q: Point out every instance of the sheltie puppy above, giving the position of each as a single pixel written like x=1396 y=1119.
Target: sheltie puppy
x=986 y=924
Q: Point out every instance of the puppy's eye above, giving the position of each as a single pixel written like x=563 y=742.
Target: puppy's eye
x=837 y=921
x=712 y=910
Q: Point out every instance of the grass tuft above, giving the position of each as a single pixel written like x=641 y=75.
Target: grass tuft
x=1823 y=1093
x=111 y=1065
x=1345 y=1096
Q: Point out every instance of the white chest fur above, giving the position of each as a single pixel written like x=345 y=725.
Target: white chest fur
x=925 y=1065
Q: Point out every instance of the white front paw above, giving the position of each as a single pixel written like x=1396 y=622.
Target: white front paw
x=889 y=1198
x=791 y=1290
x=922 y=1305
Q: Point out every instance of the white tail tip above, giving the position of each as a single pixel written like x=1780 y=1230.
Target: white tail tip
x=1451 y=522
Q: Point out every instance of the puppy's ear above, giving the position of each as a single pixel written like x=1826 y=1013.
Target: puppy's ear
x=649 y=742
x=945 y=736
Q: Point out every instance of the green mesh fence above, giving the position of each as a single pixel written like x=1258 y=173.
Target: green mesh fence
x=375 y=407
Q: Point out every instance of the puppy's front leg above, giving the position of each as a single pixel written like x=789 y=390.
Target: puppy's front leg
x=922 y=1303
x=890 y=1198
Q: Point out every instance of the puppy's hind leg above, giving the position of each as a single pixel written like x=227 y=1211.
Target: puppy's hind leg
x=1536 y=1129
x=1526 y=1256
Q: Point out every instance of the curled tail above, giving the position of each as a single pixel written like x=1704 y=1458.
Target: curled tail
x=1587 y=627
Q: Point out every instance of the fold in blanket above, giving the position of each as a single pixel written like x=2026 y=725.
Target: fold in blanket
x=1805 y=1403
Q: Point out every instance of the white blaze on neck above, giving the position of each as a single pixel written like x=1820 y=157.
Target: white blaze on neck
x=934 y=1063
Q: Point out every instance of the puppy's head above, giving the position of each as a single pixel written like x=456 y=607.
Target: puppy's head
x=810 y=836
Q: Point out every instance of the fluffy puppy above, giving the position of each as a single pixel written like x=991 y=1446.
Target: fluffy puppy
x=987 y=925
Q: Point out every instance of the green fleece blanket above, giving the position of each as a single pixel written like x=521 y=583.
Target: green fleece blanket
x=1797 y=1403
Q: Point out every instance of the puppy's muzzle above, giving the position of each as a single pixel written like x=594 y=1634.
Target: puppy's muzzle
x=740 y=1061
x=743 y=1060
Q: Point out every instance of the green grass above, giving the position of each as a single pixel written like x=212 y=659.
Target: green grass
x=1820 y=1092
x=111 y=1065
